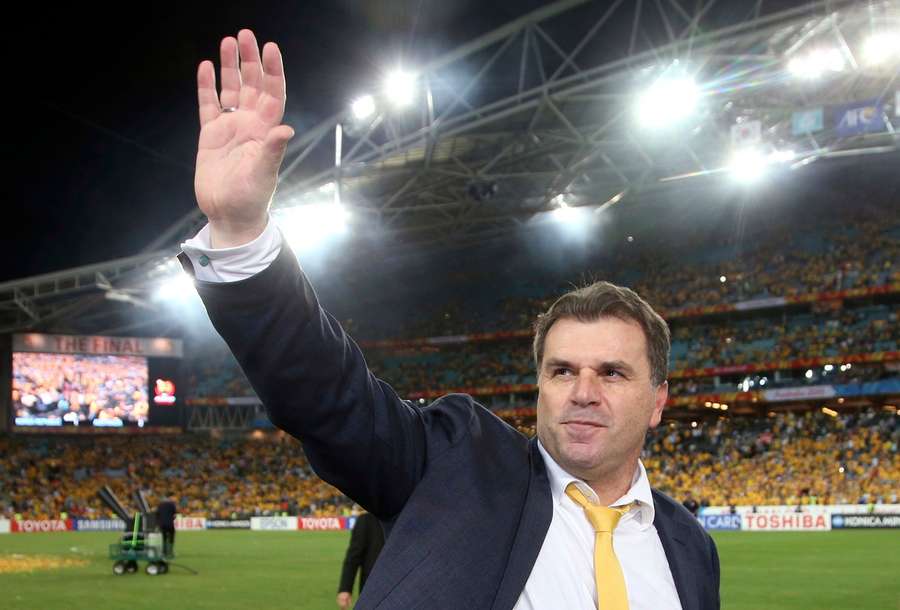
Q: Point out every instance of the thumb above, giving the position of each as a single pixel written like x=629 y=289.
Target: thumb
x=276 y=142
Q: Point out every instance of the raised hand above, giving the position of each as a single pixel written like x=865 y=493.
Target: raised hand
x=242 y=140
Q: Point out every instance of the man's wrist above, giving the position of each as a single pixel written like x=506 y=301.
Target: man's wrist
x=224 y=234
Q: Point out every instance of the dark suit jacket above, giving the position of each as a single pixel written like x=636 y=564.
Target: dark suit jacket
x=464 y=498
x=366 y=542
x=165 y=514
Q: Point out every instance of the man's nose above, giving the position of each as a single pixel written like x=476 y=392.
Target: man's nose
x=587 y=389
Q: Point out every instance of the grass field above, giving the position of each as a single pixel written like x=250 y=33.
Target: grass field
x=852 y=570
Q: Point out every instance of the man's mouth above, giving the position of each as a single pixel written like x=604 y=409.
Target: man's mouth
x=582 y=424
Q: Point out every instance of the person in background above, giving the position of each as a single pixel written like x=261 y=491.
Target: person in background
x=165 y=519
x=691 y=504
x=366 y=542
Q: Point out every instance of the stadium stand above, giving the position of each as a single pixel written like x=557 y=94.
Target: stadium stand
x=801 y=309
x=784 y=458
x=219 y=478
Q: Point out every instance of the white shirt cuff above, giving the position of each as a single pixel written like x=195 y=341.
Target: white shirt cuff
x=232 y=264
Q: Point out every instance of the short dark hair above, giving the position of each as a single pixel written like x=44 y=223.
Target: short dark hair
x=602 y=299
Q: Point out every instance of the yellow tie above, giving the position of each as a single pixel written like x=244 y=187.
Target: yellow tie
x=611 y=593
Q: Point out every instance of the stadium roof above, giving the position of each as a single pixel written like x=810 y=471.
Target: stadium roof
x=537 y=114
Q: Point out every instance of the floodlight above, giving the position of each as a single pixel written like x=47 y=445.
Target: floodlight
x=561 y=200
x=667 y=101
x=747 y=165
x=783 y=156
x=176 y=287
x=566 y=214
x=400 y=88
x=306 y=226
x=881 y=47
x=363 y=107
x=816 y=63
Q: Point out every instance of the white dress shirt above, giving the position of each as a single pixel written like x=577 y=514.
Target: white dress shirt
x=563 y=575
x=232 y=264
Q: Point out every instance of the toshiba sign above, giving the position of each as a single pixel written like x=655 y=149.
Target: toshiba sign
x=787 y=522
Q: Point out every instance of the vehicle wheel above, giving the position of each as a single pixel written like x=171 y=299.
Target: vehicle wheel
x=119 y=568
x=131 y=566
x=163 y=567
x=153 y=568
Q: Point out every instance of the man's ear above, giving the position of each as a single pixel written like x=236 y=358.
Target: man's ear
x=662 y=395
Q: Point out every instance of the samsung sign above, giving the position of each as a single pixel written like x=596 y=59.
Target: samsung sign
x=99 y=525
x=865 y=521
x=720 y=522
x=228 y=524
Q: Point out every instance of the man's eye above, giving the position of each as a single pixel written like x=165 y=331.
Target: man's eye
x=613 y=373
x=561 y=371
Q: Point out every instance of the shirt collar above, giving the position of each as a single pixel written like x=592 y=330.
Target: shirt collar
x=639 y=492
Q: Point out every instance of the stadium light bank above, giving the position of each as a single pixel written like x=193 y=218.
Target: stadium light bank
x=880 y=48
x=669 y=100
x=748 y=165
x=175 y=287
x=308 y=226
x=398 y=91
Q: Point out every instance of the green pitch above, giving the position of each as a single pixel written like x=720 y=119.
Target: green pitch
x=853 y=570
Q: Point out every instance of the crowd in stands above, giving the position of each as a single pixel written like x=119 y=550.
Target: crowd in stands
x=860 y=330
x=786 y=459
x=46 y=477
x=856 y=248
x=856 y=374
x=789 y=458
x=860 y=249
x=695 y=344
x=845 y=332
x=798 y=264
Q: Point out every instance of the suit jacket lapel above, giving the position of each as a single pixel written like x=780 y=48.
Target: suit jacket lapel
x=674 y=544
x=534 y=522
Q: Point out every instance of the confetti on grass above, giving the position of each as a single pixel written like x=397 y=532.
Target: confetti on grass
x=11 y=564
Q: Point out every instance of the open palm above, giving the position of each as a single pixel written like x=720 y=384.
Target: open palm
x=242 y=140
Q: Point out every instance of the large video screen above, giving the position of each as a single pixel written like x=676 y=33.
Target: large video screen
x=79 y=390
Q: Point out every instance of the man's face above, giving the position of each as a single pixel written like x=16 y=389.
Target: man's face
x=596 y=399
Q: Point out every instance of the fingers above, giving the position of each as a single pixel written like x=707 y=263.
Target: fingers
x=251 y=69
x=249 y=82
x=231 y=76
x=271 y=104
x=207 y=97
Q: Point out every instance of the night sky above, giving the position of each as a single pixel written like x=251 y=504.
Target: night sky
x=102 y=104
